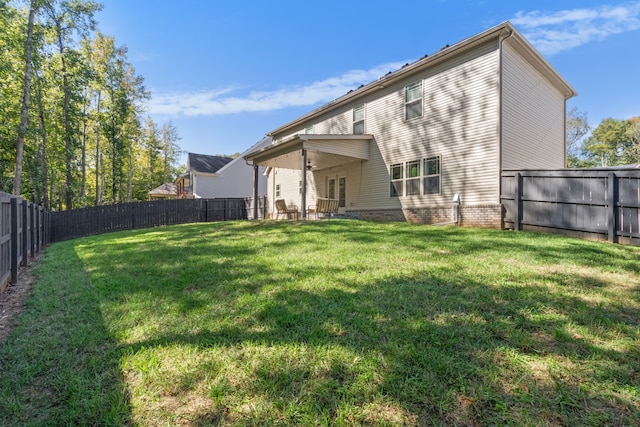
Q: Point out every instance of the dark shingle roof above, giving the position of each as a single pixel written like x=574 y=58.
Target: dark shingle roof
x=166 y=189
x=207 y=164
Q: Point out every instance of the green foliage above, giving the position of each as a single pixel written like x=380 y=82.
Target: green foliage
x=614 y=142
x=85 y=129
x=577 y=128
x=327 y=323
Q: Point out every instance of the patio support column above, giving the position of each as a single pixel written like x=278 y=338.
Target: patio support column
x=255 y=191
x=303 y=197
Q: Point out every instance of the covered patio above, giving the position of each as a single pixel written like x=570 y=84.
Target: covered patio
x=311 y=152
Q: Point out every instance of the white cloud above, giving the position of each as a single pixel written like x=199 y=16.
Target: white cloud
x=223 y=101
x=552 y=32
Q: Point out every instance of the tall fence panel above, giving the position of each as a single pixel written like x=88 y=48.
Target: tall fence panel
x=24 y=232
x=602 y=204
x=5 y=239
x=128 y=216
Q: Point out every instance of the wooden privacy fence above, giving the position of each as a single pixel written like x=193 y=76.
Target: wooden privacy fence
x=128 y=216
x=602 y=204
x=24 y=231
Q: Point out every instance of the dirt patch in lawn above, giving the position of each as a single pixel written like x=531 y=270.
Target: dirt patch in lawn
x=12 y=299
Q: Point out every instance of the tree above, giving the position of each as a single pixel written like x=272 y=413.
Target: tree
x=577 y=127
x=633 y=152
x=609 y=143
x=69 y=18
x=71 y=106
x=170 y=151
x=24 y=111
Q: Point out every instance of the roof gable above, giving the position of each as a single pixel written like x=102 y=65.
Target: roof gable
x=264 y=142
x=205 y=163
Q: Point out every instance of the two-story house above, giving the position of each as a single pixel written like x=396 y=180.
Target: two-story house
x=440 y=129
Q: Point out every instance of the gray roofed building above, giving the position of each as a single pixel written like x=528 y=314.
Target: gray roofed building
x=221 y=177
x=164 y=191
x=205 y=163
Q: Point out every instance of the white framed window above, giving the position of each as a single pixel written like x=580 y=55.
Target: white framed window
x=308 y=130
x=413 y=100
x=413 y=178
x=431 y=175
x=358 y=120
x=299 y=187
x=331 y=188
x=397 y=180
x=277 y=190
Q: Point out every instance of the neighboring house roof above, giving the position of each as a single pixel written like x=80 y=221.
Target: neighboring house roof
x=622 y=167
x=502 y=32
x=264 y=142
x=205 y=163
x=164 y=190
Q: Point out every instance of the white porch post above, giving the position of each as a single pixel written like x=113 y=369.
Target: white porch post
x=255 y=191
x=303 y=197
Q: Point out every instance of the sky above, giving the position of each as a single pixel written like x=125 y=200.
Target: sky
x=228 y=72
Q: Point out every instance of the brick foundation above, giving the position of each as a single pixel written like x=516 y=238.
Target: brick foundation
x=486 y=216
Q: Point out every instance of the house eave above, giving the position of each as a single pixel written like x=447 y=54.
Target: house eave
x=321 y=151
x=431 y=61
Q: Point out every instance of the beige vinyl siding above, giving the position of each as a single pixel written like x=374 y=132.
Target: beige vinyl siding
x=289 y=188
x=459 y=123
x=533 y=117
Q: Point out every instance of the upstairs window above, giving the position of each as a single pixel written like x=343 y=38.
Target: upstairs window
x=432 y=175
x=308 y=130
x=358 y=120
x=397 y=182
x=413 y=101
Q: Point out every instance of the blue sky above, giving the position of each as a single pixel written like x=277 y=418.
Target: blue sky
x=227 y=72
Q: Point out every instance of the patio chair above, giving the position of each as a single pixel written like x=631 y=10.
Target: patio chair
x=323 y=206
x=283 y=209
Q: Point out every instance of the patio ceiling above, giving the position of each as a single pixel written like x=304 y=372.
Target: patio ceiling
x=323 y=151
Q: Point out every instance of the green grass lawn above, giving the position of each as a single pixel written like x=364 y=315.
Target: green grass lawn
x=333 y=322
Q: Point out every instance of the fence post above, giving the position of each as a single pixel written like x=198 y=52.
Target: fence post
x=37 y=228
x=32 y=231
x=14 y=239
x=612 y=199
x=517 y=215
x=25 y=231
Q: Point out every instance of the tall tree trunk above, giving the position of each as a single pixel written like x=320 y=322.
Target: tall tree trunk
x=130 y=183
x=24 y=112
x=99 y=169
x=102 y=182
x=43 y=153
x=67 y=123
x=83 y=156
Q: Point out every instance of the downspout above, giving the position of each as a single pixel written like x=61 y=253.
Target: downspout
x=501 y=40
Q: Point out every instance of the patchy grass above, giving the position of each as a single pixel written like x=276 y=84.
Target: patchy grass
x=327 y=323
